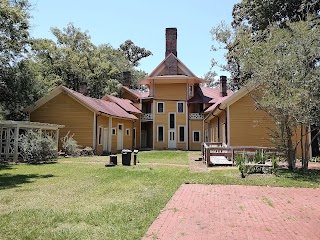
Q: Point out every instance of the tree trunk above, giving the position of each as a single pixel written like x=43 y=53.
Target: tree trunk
x=290 y=150
x=306 y=152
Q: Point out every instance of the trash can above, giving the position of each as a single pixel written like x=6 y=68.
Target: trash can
x=113 y=159
x=126 y=157
x=135 y=153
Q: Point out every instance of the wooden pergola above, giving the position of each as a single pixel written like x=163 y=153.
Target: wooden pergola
x=11 y=130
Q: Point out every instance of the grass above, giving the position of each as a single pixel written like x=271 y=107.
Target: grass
x=78 y=198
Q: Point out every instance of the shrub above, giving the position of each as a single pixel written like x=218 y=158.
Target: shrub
x=87 y=151
x=70 y=146
x=35 y=147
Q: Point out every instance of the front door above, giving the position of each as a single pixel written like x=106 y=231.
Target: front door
x=120 y=137
x=144 y=135
x=172 y=139
x=105 y=139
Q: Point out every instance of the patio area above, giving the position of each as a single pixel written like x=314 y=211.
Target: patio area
x=238 y=212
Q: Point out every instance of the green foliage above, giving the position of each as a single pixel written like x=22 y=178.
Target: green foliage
x=259 y=14
x=14 y=30
x=255 y=164
x=134 y=53
x=70 y=145
x=36 y=148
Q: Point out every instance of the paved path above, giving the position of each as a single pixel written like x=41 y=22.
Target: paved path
x=239 y=212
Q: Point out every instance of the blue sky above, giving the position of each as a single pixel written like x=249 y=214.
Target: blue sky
x=142 y=21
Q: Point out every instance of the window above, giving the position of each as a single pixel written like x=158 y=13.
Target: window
x=196 y=136
x=160 y=133
x=180 y=106
x=206 y=135
x=128 y=131
x=171 y=120
x=100 y=136
x=120 y=126
x=114 y=131
x=181 y=133
x=160 y=107
x=191 y=90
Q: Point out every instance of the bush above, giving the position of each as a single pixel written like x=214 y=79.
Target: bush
x=87 y=151
x=70 y=146
x=35 y=147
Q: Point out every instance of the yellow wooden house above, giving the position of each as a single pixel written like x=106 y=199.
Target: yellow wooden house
x=105 y=125
x=173 y=107
x=236 y=121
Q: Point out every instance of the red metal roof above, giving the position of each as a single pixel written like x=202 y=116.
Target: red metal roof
x=214 y=93
x=136 y=93
x=102 y=106
x=126 y=104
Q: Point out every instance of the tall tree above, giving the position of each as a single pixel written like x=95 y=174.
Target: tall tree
x=255 y=16
x=18 y=84
x=134 y=53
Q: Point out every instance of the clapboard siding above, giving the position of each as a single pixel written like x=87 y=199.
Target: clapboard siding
x=249 y=126
x=64 y=110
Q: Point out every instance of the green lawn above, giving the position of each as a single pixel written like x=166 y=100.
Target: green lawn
x=78 y=198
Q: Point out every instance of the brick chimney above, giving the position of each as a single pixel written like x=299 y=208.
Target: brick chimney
x=171 y=41
x=223 y=86
x=171 y=64
x=83 y=88
x=126 y=76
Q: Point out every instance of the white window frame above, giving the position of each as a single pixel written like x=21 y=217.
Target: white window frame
x=182 y=107
x=127 y=131
x=114 y=131
x=175 y=121
x=158 y=107
x=193 y=136
x=162 y=133
x=100 y=135
x=184 y=129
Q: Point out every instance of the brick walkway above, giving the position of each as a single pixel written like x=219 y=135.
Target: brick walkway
x=239 y=212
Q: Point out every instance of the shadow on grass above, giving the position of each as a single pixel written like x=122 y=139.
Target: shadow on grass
x=8 y=180
x=312 y=175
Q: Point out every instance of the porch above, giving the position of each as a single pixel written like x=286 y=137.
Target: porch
x=218 y=153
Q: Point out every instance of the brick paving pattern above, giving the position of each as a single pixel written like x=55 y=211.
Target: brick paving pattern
x=239 y=212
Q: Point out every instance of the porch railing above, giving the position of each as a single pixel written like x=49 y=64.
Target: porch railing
x=196 y=116
x=209 y=149
x=146 y=117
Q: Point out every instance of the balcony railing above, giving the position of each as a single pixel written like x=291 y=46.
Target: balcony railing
x=196 y=116
x=146 y=117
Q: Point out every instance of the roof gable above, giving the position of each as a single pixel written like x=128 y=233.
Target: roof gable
x=182 y=68
x=95 y=105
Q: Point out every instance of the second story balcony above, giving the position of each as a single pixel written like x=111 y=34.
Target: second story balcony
x=146 y=117
x=196 y=116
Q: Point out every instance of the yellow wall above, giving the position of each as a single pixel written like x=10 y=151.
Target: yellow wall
x=127 y=139
x=102 y=121
x=64 y=110
x=162 y=119
x=248 y=126
x=174 y=91
x=195 y=125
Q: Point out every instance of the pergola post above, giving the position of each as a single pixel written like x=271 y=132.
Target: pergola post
x=16 y=143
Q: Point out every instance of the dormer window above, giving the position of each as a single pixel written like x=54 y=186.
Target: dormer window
x=191 y=90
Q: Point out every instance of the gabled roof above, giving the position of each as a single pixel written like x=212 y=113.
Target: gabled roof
x=93 y=104
x=136 y=93
x=181 y=65
x=230 y=99
x=213 y=93
x=123 y=103
x=187 y=73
